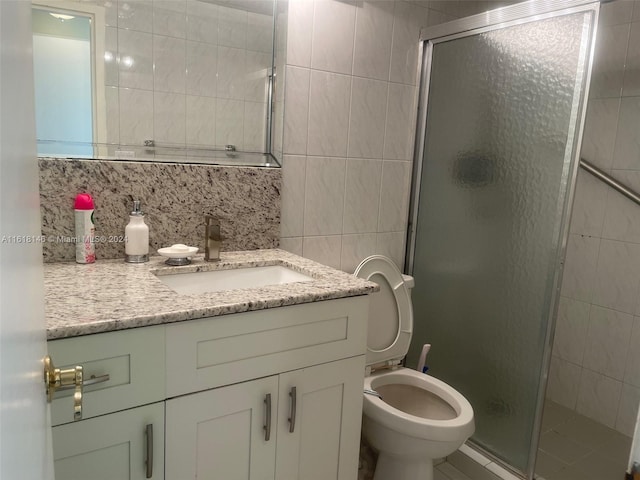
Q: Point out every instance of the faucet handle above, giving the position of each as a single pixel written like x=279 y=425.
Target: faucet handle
x=213 y=238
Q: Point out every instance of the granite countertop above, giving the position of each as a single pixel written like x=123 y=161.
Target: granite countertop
x=113 y=295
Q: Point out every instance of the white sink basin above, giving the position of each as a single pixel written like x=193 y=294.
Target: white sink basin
x=220 y=280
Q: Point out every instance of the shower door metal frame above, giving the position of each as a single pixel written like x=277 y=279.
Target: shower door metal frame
x=525 y=12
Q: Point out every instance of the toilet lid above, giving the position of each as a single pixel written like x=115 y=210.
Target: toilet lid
x=390 y=312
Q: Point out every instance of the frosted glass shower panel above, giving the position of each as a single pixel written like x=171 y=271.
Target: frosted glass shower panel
x=503 y=110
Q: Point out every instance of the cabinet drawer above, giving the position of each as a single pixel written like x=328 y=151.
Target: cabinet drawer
x=133 y=359
x=111 y=447
x=233 y=348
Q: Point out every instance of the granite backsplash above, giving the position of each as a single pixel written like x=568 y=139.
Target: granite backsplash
x=174 y=198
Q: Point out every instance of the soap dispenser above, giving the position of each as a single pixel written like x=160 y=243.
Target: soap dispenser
x=136 y=237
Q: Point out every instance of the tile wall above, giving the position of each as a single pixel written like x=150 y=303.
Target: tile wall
x=186 y=72
x=351 y=79
x=595 y=365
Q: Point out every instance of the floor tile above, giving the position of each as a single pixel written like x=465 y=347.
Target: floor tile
x=586 y=432
x=451 y=472
x=547 y=464
x=562 y=448
x=555 y=414
x=470 y=467
x=596 y=466
x=617 y=448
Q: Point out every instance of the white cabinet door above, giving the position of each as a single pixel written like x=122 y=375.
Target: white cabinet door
x=111 y=447
x=321 y=441
x=220 y=434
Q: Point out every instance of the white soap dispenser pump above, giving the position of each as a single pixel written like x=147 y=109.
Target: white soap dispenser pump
x=136 y=237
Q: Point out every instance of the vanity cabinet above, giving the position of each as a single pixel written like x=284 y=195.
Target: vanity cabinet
x=303 y=424
x=269 y=394
x=127 y=445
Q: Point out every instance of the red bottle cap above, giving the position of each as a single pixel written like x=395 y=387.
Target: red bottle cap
x=83 y=202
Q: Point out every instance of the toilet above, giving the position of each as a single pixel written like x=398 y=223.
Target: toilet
x=409 y=417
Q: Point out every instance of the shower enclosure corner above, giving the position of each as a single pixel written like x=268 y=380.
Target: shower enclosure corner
x=502 y=102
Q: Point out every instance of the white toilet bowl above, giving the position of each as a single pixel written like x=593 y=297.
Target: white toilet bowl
x=409 y=417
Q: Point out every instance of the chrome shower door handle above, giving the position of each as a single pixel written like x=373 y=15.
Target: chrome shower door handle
x=292 y=417
x=267 y=418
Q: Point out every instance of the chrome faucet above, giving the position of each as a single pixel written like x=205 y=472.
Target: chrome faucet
x=212 y=239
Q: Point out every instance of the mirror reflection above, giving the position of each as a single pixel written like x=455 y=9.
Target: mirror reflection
x=147 y=79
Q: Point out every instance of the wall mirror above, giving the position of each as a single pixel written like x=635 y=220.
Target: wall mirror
x=158 y=80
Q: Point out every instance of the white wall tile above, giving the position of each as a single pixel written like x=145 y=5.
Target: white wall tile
x=367 y=119
x=135 y=15
x=324 y=200
x=572 y=325
x=169 y=72
x=136 y=116
x=296 y=114
x=201 y=120
x=299 y=30
x=436 y=18
x=362 y=195
x=622 y=216
x=632 y=67
x=600 y=127
x=374 y=30
x=257 y=76
x=608 y=342
x=259 y=32
x=392 y=245
x=111 y=56
x=609 y=60
x=232 y=27
x=113 y=114
x=564 y=381
x=627 y=150
x=169 y=118
x=136 y=59
x=589 y=205
x=292 y=196
x=400 y=122
x=255 y=133
x=580 y=267
x=328 y=114
x=229 y=123
x=616 y=284
x=325 y=249
x=628 y=410
x=632 y=370
x=408 y=19
x=231 y=73
x=169 y=18
x=356 y=248
x=333 y=36
x=292 y=244
x=615 y=13
x=599 y=397
x=202 y=21
x=202 y=69
x=394 y=196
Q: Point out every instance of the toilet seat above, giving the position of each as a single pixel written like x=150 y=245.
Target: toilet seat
x=413 y=425
x=390 y=312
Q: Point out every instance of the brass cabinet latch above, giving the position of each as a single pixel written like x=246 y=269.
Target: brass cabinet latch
x=56 y=379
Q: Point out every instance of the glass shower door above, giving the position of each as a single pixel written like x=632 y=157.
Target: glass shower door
x=503 y=117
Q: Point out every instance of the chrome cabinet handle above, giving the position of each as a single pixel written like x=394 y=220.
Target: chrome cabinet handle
x=267 y=420
x=292 y=418
x=91 y=381
x=149 y=460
